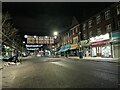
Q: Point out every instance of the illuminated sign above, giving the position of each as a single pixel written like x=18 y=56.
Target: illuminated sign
x=100 y=38
x=32 y=48
x=40 y=40
x=34 y=45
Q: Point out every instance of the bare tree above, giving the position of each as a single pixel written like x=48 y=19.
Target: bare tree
x=9 y=32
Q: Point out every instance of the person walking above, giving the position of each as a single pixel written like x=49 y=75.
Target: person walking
x=15 y=52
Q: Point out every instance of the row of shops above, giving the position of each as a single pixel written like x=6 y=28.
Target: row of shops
x=6 y=51
x=106 y=46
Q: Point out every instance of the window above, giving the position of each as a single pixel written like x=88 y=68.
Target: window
x=84 y=26
x=73 y=31
x=91 y=33
x=90 y=24
x=84 y=36
x=108 y=27
x=118 y=9
x=76 y=29
x=107 y=15
x=98 y=31
x=75 y=39
x=98 y=19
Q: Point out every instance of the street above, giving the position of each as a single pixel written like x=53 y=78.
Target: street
x=45 y=72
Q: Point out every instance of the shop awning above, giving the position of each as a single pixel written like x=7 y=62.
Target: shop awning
x=67 y=47
x=100 y=42
x=64 y=48
x=74 y=46
x=61 y=49
x=84 y=43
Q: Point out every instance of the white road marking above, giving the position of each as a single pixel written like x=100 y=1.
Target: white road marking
x=60 y=64
x=13 y=78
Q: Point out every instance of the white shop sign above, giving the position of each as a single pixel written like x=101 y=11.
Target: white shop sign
x=100 y=38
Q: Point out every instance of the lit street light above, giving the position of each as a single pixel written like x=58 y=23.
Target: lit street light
x=23 y=42
x=25 y=36
x=35 y=36
x=55 y=33
x=46 y=37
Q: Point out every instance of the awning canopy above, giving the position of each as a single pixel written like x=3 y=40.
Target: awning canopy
x=64 y=48
x=67 y=47
x=74 y=46
x=100 y=42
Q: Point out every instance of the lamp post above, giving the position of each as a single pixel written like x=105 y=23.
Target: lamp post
x=55 y=36
x=79 y=44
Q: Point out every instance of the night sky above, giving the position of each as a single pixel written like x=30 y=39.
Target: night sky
x=43 y=18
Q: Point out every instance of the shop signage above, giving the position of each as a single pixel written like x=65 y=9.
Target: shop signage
x=84 y=42
x=99 y=43
x=100 y=38
x=40 y=40
x=32 y=48
x=34 y=45
x=115 y=35
x=74 y=46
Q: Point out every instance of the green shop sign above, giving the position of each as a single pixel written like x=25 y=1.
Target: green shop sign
x=84 y=42
x=115 y=35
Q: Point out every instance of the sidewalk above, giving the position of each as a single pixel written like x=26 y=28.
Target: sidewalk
x=114 y=60
x=6 y=64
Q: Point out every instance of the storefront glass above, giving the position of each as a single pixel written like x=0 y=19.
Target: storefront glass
x=106 y=51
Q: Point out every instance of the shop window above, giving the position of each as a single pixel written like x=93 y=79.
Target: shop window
x=99 y=31
x=107 y=15
x=90 y=24
x=108 y=28
x=118 y=9
x=84 y=26
x=98 y=19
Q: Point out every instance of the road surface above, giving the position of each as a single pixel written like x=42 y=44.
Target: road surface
x=45 y=72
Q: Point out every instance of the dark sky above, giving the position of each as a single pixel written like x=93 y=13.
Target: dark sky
x=43 y=18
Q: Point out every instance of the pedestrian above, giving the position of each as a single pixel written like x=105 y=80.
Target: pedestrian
x=15 y=55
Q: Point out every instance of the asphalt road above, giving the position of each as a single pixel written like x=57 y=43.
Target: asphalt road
x=44 y=72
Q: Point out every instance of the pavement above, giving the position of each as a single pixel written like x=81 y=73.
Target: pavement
x=98 y=59
x=7 y=64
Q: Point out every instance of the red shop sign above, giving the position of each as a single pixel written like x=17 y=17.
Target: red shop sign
x=99 y=43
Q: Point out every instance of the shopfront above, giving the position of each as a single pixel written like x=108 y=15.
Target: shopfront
x=100 y=46
x=74 y=50
x=115 y=42
x=85 y=47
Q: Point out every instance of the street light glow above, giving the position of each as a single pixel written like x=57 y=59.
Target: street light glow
x=55 y=37
x=55 y=33
x=23 y=42
x=46 y=37
x=35 y=36
x=25 y=36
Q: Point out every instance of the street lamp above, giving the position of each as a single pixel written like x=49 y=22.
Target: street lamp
x=25 y=36
x=55 y=36
x=23 y=42
x=55 y=33
x=79 y=44
x=35 y=36
x=46 y=37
